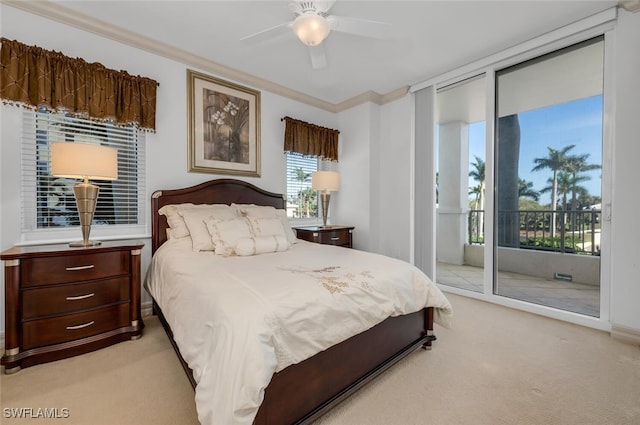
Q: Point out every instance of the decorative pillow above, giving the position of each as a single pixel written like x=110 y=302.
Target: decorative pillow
x=261 y=245
x=226 y=233
x=266 y=226
x=194 y=218
x=265 y=211
x=257 y=211
x=176 y=222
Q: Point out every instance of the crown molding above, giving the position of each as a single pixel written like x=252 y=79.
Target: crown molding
x=373 y=97
x=64 y=15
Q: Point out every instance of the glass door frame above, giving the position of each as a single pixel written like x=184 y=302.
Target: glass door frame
x=600 y=24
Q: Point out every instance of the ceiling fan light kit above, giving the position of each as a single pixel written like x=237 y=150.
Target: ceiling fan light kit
x=311 y=28
x=313 y=23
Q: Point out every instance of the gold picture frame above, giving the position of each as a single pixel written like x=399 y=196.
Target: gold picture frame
x=224 y=126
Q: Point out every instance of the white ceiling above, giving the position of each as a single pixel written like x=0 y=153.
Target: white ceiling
x=427 y=37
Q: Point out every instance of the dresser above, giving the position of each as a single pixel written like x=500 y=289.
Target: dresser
x=328 y=235
x=62 y=301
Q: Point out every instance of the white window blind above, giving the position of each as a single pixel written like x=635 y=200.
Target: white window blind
x=302 y=201
x=48 y=203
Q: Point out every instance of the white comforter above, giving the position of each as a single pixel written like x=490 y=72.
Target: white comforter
x=237 y=320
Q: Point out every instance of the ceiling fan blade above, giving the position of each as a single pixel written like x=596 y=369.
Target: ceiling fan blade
x=268 y=32
x=318 y=57
x=362 y=27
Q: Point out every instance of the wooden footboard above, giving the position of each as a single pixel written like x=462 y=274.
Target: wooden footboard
x=303 y=392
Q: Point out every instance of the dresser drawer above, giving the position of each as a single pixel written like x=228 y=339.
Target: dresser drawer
x=335 y=237
x=38 y=302
x=73 y=268
x=327 y=235
x=41 y=332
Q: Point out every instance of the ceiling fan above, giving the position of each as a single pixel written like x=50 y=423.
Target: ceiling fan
x=313 y=23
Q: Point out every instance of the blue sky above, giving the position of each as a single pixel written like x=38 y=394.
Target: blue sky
x=576 y=123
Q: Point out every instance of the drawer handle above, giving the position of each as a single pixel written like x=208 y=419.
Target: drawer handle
x=80 y=297
x=335 y=239
x=84 y=325
x=72 y=269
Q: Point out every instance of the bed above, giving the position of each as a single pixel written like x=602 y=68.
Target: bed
x=310 y=383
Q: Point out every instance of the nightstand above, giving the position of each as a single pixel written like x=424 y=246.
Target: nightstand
x=62 y=301
x=328 y=235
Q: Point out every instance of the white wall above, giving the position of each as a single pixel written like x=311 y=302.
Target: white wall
x=352 y=205
x=394 y=168
x=166 y=149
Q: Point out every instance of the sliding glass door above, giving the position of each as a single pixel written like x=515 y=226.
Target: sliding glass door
x=460 y=183
x=548 y=192
x=518 y=179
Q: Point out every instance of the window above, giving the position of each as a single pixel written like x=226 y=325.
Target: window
x=48 y=203
x=302 y=201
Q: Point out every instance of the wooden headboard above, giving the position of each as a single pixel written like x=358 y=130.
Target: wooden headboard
x=220 y=191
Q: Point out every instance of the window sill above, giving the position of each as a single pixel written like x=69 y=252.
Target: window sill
x=68 y=240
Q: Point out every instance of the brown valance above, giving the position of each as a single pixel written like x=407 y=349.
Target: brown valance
x=38 y=78
x=310 y=139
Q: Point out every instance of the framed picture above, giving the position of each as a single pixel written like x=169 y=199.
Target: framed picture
x=224 y=126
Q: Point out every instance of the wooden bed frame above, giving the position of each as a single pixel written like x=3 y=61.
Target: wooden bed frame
x=302 y=392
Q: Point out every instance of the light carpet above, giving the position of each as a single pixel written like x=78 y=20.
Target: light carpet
x=495 y=366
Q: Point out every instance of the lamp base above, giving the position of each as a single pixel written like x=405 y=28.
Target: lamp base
x=325 y=198
x=84 y=243
x=86 y=196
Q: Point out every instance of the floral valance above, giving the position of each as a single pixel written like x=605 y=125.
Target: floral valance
x=38 y=78
x=310 y=139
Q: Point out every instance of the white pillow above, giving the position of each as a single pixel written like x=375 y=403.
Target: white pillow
x=194 y=217
x=252 y=210
x=288 y=230
x=265 y=211
x=266 y=226
x=178 y=228
x=226 y=233
x=261 y=245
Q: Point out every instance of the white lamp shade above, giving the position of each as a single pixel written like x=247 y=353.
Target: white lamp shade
x=81 y=160
x=311 y=29
x=325 y=180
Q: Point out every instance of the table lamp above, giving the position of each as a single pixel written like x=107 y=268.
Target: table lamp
x=325 y=182
x=84 y=161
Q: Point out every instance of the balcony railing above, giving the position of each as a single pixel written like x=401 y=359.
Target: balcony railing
x=576 y=231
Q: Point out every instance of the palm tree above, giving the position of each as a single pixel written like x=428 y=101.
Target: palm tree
x=578 y=164
x=564 y=188
x=307 y=197
x=566 y=184
x=478 y=174
x=556 y=162
x=526 y=190
x=302 y=177
x=475 y=191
